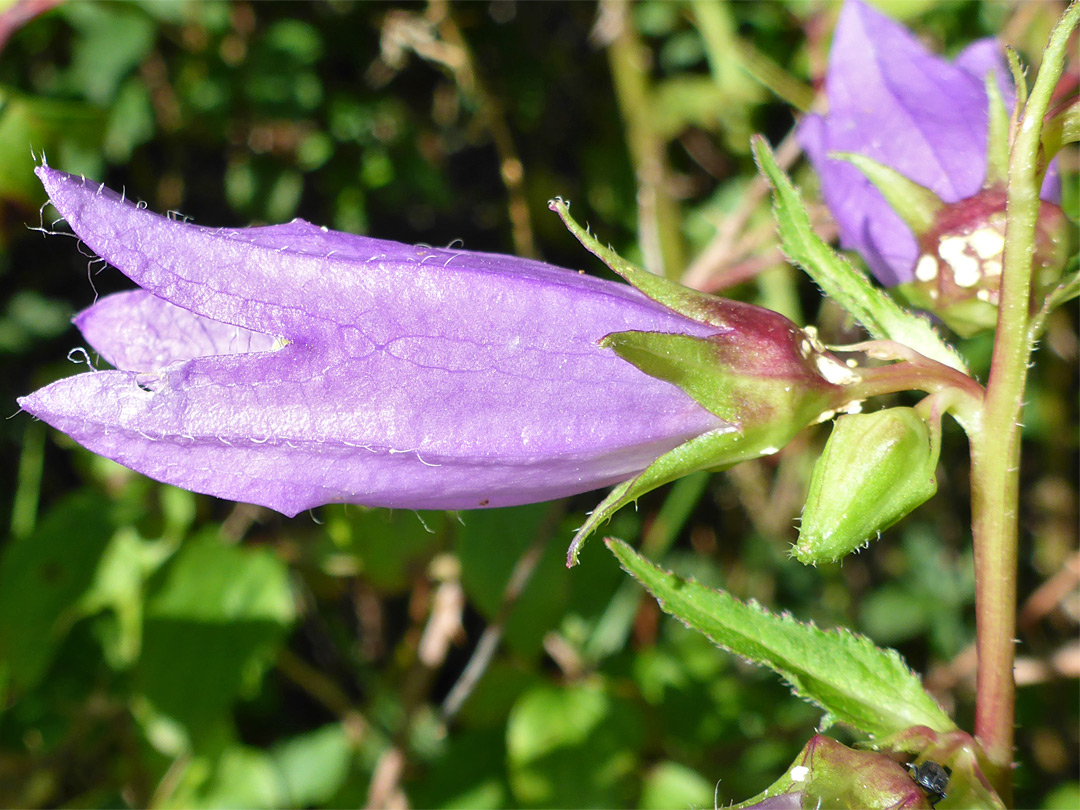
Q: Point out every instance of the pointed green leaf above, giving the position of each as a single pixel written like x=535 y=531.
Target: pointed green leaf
x=916 y=205
x=871 y=306
x=693 y=304
x=855 y=682
x=997 y=136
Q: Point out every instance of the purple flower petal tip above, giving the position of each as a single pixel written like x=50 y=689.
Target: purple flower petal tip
x=292 y=366
x=896 y=102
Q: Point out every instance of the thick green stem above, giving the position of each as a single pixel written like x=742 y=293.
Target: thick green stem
x=995 y=448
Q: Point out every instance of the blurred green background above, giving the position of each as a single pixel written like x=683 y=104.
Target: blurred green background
x=162 y=649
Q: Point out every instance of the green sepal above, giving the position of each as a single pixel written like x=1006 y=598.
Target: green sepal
x=882 y=316
x=967 y=317
x=1016 y=68
x=1061 y=128
x=760 y=383
x=916 y=205
x=705 y=452
x=1066 y=291
x=854 y=681
x=720 y=378
x=997 y=135
x=876 y=468
x=697 y=306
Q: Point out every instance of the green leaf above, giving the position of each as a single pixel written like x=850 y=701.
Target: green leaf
x=237 y=776
x=489 y=545
x=854 y=681
x=119 y=589
x=386 y=546
x=883 y=318
x=670 y=784
x=211 y=629
x=42 y=577
x=574 y=746
x=313 y=766
x=468 y=774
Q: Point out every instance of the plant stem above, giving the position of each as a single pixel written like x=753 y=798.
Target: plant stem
x=659 y=231
x=995 y=446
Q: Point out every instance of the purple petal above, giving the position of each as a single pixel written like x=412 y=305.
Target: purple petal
x=414 y=378
x=299 y=280
x=137 y=331
x=894 y=101
x=983 y=56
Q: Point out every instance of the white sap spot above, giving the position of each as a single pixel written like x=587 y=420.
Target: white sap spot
x=983 y=295
x=992 y=268
x=926 y=269
x=966 y=272
x=954 y=251
x=799 y=773
x=768 y=451
x=987 y=243
x=853 y=407
x=834 y=372
x=952 y=247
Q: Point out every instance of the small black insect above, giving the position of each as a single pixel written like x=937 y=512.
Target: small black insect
x=932 y=778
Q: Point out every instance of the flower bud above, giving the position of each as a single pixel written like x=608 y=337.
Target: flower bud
x=829 y=774
x=765 y=376
x=876 y=468
x=958 y=272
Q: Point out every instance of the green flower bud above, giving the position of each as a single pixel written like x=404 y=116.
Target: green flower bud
x=957 y=275
x=876 y=468
x=829 y=774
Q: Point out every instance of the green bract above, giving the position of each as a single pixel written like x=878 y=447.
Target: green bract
x=876 y=468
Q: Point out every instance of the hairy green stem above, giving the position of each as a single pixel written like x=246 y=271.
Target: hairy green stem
x=995 y=449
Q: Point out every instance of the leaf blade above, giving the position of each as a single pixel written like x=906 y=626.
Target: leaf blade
x=854 y=681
